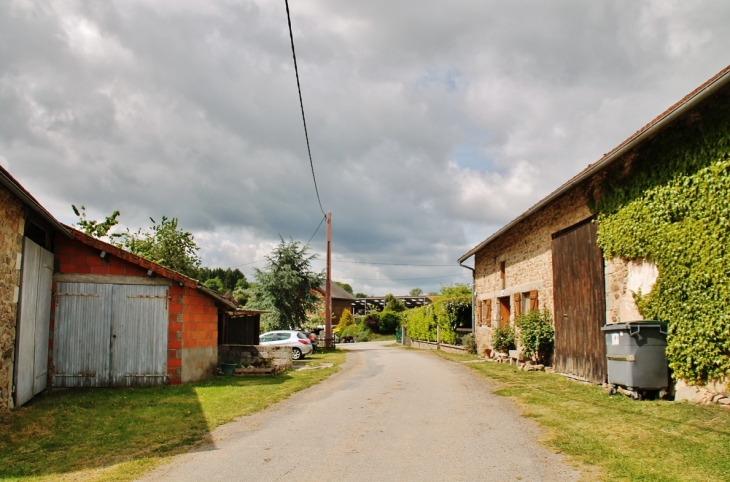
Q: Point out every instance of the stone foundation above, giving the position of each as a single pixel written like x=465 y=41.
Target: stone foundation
x=276 y=357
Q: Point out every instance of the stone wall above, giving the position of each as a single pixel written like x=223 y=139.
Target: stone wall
x=624 y=278
x=526 y=252
x=12 y=224
x=276 y=357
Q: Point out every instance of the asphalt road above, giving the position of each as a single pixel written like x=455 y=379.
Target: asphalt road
x=390 y=414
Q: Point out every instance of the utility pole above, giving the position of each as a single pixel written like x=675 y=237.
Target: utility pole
x=328 y=340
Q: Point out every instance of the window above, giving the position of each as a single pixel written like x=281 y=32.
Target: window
x=502 y=271
x=282 y=336
x=302 y=336
x=525 y=303
x=269 y=337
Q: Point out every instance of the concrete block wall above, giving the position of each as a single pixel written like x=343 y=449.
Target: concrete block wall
x=12 y=224
x=526 y=251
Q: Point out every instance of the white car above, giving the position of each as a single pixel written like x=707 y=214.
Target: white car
x=298 y=341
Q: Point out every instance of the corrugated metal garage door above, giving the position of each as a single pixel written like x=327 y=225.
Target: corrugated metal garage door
x=110 y=335
x=33 y=325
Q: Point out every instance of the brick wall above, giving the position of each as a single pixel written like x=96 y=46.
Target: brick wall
x=526 y=252
x=193 y=324
x=11 y=246
x=193 y=317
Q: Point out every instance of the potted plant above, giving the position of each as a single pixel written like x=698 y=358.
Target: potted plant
x=228 y=368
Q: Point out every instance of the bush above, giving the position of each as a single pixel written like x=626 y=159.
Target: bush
x=503 y=338
x=345 y=320
x=372 y=321
x=389 y=322
x=469 y=343
x=537 y=334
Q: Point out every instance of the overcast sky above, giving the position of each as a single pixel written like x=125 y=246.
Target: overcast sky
x=432 y=124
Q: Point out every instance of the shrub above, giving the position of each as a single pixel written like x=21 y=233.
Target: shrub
x=469 y=343
x=503 y=338
x=537 y=334
x=372 y=321
x=393 y=304
x=389 y=322
x=345 y=320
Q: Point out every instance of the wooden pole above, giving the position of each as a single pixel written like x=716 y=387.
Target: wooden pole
x=328 y=296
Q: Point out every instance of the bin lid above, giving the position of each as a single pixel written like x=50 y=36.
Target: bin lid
x=634 y=325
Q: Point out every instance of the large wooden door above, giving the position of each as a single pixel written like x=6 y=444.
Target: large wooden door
x=33 y=323
x=110 y=335
x=580 y=303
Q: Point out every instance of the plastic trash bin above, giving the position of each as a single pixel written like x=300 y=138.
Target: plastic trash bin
x=636 y=357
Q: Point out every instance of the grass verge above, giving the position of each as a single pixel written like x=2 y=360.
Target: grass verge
x=118 y=434
x=626 y=440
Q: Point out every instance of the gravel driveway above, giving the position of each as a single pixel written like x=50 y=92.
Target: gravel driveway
x=390 y=414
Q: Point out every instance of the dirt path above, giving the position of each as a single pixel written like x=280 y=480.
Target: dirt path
x=390 y=414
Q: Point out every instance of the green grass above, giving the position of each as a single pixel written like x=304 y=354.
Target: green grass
x=118 y=434
x=624 y=439
x=379 y=337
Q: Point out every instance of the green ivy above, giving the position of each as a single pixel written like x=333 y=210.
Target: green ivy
x=673 y=208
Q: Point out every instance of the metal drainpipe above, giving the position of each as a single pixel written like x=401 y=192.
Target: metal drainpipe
x=473 y=295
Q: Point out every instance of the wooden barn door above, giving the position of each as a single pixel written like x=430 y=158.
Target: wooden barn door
x=33 y=323
x=580 y=303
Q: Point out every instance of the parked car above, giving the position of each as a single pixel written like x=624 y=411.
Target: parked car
x=298 y=341
x=313 y=340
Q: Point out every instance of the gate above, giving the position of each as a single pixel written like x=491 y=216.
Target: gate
x=33 y=324
x=110 y=335
x=580 y=303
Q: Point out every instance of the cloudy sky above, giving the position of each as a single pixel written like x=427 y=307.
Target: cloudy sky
x=432 y=124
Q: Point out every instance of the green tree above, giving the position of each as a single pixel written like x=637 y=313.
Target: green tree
x=360 y=295
x=285 y=286
x=393 y=304
x=98 y=229
x=165 y=244
x=416 y=292
x=215 y=284
x=345 y=287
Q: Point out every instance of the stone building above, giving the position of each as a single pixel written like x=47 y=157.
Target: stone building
x=27 y=236
x=547 y=258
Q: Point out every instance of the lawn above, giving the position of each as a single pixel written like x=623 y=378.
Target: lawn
x=623 y=439
x=118 y=434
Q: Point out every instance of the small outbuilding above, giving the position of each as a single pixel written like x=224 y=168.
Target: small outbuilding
x=120 y=320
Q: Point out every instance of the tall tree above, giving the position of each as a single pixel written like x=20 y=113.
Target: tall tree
x=285 y=286
x=416 y=292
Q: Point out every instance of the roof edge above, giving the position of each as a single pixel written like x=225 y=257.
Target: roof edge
x=697 y=96
x=12 y=184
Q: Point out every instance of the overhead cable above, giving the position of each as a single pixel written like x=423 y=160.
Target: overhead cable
x=401 y=279
x=315 y=231
x=301 y=104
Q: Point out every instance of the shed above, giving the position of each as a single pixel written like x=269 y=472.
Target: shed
x=548 y=257
x=27 y=235
x=119 y=319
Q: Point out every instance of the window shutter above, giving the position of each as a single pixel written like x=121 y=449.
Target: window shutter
x=534 y=305
x=518 y=304
x=489 y=313
x=479 y=312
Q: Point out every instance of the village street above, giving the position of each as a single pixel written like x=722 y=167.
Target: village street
x=390 y=414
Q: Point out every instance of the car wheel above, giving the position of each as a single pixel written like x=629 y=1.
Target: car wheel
x=296 y=354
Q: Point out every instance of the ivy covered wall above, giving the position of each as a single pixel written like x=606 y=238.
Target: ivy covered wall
x=669 y=202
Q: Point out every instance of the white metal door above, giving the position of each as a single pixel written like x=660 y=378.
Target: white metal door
x=139 y=335
x=110 y=335
x=82 y=335
x=33 y=322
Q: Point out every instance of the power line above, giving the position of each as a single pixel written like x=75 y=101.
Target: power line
x=401 y=279
x=315 y=231
x=301 y=104
x=392 y=264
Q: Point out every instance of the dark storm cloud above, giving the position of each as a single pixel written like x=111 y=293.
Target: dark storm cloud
x=431 y=123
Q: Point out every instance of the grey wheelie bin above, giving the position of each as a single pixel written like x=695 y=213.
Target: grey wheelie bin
x=636 y=357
